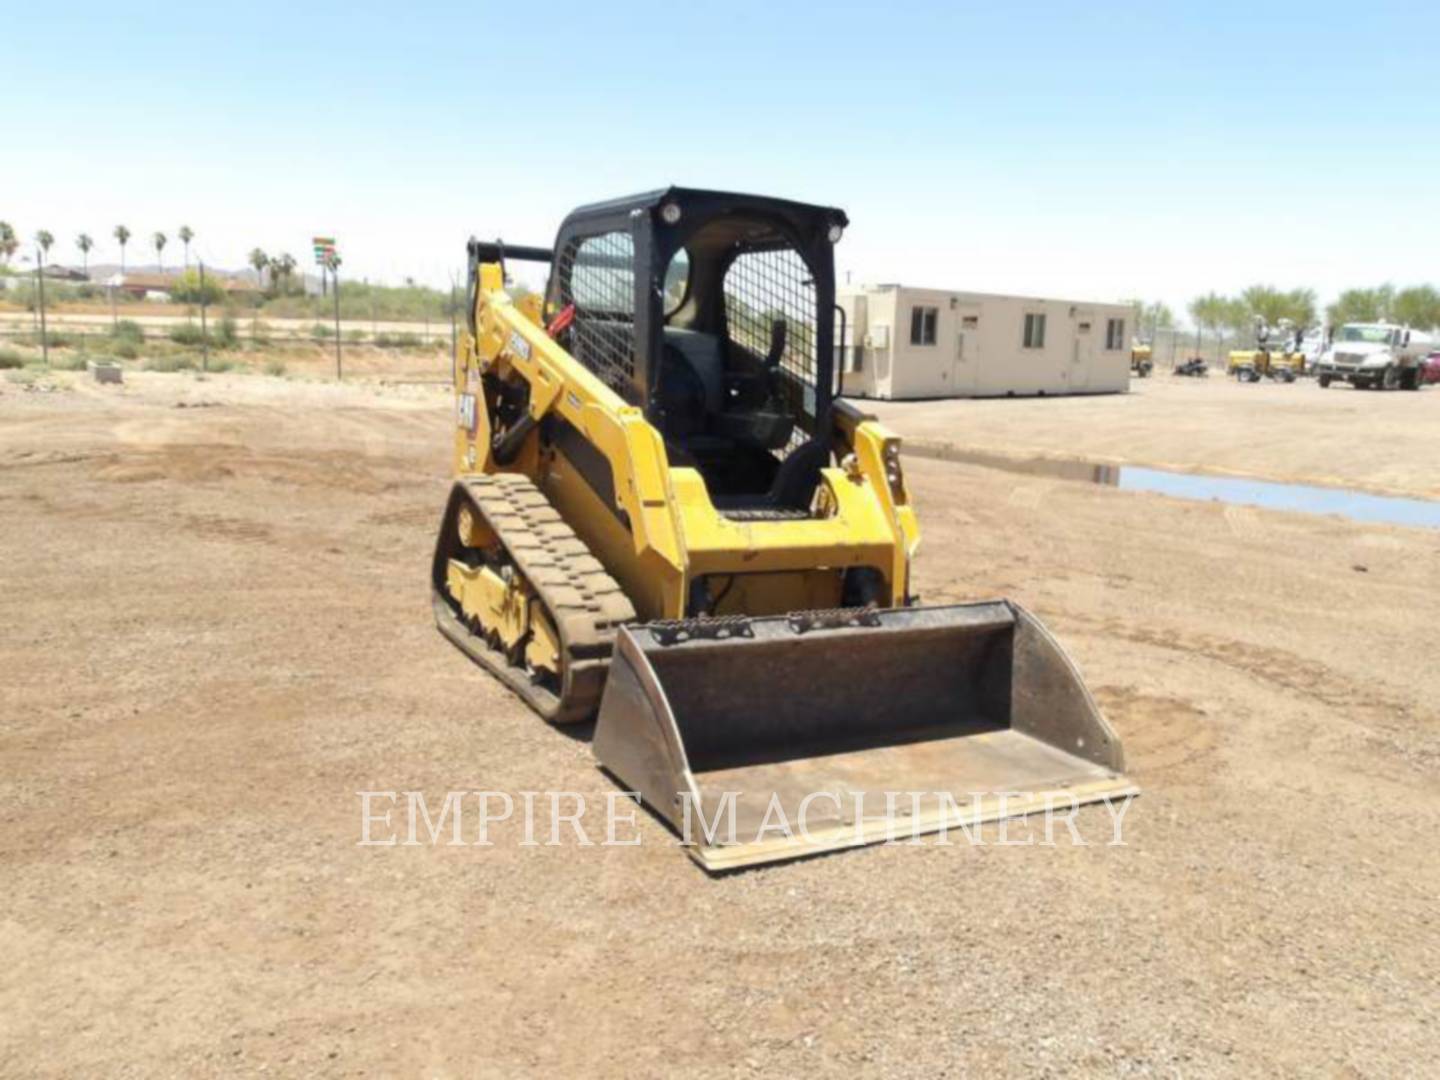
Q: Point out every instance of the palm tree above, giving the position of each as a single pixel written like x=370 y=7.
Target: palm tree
x=8 y=241
x=259 y=260
x=84 y=243
x=282 y=266
x=186 y=234
x=159 y=240
x=44 y=239
x=122 y=234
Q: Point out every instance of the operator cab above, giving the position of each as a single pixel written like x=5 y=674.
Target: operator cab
x=714 y=313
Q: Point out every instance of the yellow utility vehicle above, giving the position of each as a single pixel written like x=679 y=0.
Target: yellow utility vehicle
x=663 y=512
x=1283 y=362
x=1142 y=359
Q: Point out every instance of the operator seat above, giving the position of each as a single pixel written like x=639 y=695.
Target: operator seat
x=729 y=424
x=706 y=410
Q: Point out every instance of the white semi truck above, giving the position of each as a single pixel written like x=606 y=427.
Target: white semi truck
x=1382 y=356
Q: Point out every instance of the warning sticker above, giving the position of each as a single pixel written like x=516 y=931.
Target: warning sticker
x=465 y=415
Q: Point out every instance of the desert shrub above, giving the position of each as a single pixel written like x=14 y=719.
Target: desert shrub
x=320 y=331
x=74 y=361
x=170 y=363
x=225 y=334
x=186 y=289
x=275 y=367
x=9 y=358
x=355 y=336
x=126 y=350
x=187 y=334
x=259 y=332
x=128 y=330
x=403 y=340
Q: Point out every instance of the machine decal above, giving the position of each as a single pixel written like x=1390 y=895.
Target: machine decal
x=465 y=415
x=519 y=346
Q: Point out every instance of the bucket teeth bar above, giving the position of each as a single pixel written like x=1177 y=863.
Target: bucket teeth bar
x=973 y=707
x=718 y=628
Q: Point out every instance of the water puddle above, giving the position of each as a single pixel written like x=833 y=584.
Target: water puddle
x=1300 y=498
x=1266 y=494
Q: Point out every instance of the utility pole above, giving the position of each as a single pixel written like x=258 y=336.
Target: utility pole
x=204 y=331
x=335 y=282
x=454 y=329
x=40 y=285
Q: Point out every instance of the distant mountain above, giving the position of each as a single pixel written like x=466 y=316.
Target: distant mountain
x=101 y=271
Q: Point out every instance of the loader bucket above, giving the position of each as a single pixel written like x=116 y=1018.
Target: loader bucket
x=773 y=738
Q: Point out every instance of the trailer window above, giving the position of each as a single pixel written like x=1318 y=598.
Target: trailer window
x=1114 y=333
x=922 y=325
x=1034 y=331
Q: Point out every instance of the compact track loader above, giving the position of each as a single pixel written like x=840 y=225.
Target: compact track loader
x=663 y=513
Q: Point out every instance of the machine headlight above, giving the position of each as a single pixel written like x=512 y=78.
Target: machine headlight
x=670 y=213
x=893 y=473
x=836 y=232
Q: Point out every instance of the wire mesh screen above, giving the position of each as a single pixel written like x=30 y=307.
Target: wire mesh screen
x=761 y=289
x=597 y=275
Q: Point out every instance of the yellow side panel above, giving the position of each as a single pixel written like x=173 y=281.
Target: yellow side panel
x=655 y=587
x=485 y=595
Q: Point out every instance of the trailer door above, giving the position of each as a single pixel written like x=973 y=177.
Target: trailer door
x=1082 y=350
x=965 y=362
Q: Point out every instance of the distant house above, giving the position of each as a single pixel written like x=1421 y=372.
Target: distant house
x=152 y=286
x=240 y=288
x=143 y=286
x=65 y=273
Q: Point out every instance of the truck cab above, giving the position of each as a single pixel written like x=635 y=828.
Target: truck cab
x=1380 y=356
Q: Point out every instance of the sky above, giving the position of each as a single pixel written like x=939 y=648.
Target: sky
x=1076 y=150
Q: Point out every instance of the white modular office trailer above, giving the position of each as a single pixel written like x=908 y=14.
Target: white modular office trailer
x=903 y=342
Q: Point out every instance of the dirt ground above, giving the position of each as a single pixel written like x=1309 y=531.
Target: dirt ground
x=1382 y=442
x=216 y=632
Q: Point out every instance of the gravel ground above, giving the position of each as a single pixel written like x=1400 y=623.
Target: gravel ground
x=216 y=632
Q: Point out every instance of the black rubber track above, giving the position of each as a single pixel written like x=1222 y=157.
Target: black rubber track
x=583 y=601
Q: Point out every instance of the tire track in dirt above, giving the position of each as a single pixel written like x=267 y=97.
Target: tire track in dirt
x=1384 y=719
x=1163 y=733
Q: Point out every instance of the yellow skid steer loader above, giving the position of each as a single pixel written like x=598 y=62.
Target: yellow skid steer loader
x=663 y=513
